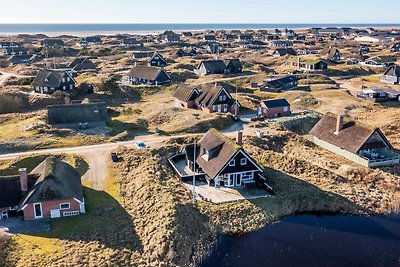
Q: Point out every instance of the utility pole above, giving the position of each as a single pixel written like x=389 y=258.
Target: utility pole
x=194 y=173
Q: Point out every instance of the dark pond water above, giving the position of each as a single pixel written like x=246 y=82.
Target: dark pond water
x=308 y=240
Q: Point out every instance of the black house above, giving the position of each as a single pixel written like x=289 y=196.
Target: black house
x=52 y=42
x=141 y=74
x=49 y=81
x=227 y=66
x=220 y=160
x=278 y=85
x=157 y=60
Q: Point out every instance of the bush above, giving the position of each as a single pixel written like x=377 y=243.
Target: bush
x=11 y=103
x=109 y=85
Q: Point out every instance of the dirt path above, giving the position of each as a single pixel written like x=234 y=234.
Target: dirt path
x=99 y=156
x=6 y=75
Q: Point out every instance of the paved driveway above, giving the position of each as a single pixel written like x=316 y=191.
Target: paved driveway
x=17 y=225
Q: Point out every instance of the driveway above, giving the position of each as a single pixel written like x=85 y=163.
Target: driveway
x=98 y=156
x=17 y=225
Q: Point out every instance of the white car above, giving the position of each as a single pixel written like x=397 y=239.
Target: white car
x=140 y=145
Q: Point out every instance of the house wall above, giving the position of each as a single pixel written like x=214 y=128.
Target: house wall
x=238 y=167
x=337 y=150
x=47 y=206
x=390 y=79
x=273 y=112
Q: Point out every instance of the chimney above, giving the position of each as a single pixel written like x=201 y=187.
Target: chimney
x=239 y=138
x=67 y=100
x=23 y=179
x=339 y=124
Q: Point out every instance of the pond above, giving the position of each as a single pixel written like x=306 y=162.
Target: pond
x=309 y=240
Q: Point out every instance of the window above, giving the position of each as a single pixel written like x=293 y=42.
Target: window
x=68 y=79
x=65 y=206
x=37 y=207
x=220 y=98
x=232 y=163
x=63 y=80
x=224 y=97
x=285 y=109
x=243 y=161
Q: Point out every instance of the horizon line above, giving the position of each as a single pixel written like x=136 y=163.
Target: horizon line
x=208 y=23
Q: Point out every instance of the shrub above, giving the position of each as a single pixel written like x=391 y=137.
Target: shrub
x=11 y=103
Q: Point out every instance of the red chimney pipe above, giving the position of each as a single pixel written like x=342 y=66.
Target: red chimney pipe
x=239 y=138
x=23 y=179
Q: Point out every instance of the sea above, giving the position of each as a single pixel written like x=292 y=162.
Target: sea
x=140 y=29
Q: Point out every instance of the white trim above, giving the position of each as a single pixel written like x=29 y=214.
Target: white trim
x=232 y=163
x=24 y=206
x=34 y=210
x=243 y=161
x=216 y=97
x=66 y=203
x=194 y=90
x=77 y=200
x=248 y=158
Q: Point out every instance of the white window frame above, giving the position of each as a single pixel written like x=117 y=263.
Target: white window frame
x=69 y=206
x=34 y=210
x=220 y=98
x=243 y=161
x=232 y=163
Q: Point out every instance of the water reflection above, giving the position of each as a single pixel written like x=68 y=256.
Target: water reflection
x=309 y=240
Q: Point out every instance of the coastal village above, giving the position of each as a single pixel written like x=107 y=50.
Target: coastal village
x=139 y=150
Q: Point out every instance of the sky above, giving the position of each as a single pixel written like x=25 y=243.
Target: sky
x=204 y=11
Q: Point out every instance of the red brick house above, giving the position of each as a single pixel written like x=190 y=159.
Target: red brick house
x=52 y=190
x=273 y=108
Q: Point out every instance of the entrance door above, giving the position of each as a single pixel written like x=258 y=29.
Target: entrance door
x=37 y=209
x=219 y=108
x=238 y=179
x=225 y=108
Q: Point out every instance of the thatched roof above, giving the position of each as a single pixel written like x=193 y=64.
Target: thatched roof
x=57 y=180
x=221 y=150
x=146 y=72
x=352 y=136
x=10 y=189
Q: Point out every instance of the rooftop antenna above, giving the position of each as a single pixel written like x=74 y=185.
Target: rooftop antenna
x=47 y=58
x=237 y=103
x=194 y=173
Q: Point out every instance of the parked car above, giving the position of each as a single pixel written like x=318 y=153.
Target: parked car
x=114 y=157
x=140 y=145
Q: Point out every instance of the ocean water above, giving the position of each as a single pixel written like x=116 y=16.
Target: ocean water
x=85 y=29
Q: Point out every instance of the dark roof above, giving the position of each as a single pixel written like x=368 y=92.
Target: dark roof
x=91 y=39
x=183 y=92
x=146 y=72
x=285 y=51
x=82 y=63
x=10 y=189
x=213 y=65
x=57 y=180
x=234 y=61
x=351 y=138
x=50 y=78
x=222 y=149
x=52 y=42
x=281 y=81
x=275 y=103
x=208 y=93
x=393 y=70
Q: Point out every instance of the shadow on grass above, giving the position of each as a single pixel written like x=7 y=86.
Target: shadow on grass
x=105 y=221
x=294 y=196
